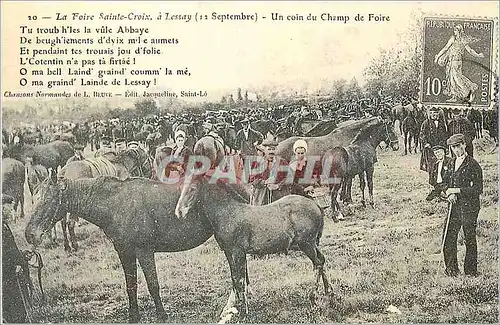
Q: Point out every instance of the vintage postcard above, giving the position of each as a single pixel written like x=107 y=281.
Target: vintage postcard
x=250 y=162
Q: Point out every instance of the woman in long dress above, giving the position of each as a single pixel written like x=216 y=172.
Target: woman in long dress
x=457 y=86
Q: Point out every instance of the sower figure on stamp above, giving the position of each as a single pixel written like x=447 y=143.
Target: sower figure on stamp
x=433 y=132
x=440 y=173
x=458 y=86
x=269 y=185
x=465 y=187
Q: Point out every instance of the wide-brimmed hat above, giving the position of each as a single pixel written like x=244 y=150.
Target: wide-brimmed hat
x=434 y=109
x=79 y=146
x=299 y=144
x=456 y=139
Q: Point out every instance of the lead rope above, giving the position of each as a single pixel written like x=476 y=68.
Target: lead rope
x=25 y=296
x=28 y=255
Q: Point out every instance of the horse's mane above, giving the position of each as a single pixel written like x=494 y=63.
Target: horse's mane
x=366 y=131
x=235 y=191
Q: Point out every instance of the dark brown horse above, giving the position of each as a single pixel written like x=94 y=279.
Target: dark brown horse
x=50 y=155
x=334 y=163
x=128 y=163
x=475 y=116
x=138 y=217
x=317 y=146
x=363 y=155
x=13 y=177
x=411 y=131
x=242 y=229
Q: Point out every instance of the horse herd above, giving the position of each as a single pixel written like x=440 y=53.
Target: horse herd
x=142 y=216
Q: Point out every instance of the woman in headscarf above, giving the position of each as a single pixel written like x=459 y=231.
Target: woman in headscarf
x=298 y=166
x=173 y=158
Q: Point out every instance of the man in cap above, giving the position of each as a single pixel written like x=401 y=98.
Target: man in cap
x=433 y=132
x=105 y=147
x=464 y=188
x=120 y=144
x=269 y=185
x=440 y=173
x=78 y=153
x=247 y=138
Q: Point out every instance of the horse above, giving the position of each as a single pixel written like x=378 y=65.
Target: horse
x=51 y=155
x=362 y=154
x=138 y=226
x=211 y=148
x=36 y=175
x=13 y=177
x=242 y=229
x=400 y=112
x=491 y=123
x=128 y=163
x=411 y=131
x=335 y=161
x=264 y=126
x=317 y=146
x=476 y=118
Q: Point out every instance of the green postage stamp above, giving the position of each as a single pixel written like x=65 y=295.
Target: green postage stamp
x=458 y=67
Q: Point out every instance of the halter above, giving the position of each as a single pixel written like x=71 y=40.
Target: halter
x=388 y=140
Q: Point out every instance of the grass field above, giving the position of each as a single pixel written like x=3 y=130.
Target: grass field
x=378 y=257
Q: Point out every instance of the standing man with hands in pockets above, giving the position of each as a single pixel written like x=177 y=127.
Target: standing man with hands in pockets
x=465 y=187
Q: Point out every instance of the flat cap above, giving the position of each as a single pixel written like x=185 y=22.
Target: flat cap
x=437 y=147
x=456 y=139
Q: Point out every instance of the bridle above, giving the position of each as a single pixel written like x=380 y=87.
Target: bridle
x=388 y=134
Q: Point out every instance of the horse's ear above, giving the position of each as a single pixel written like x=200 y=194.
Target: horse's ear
x=52 y=176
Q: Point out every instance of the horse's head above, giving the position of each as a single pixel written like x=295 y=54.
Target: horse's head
x=390 y=137
x=189 y=195
x=47 y=210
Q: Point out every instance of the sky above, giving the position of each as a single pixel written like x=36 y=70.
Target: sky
x=222 y=56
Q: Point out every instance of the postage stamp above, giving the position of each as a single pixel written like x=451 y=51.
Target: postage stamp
x=457 y=62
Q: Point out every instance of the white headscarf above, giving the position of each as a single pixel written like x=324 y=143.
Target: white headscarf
x=299 y=144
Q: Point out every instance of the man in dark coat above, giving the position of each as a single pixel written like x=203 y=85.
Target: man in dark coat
x=460 y=124
x=433 y=132
x=465 y=187
x=269 y=185
x=247 y=139
x=13 y=306
x=440 y=173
